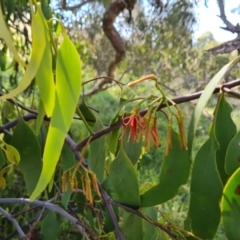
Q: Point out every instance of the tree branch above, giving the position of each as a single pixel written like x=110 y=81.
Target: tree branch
x=178 y=100
x=49 y=206
x=115 y=8
x=229 y=26
x=72 y=8
x=14 y=222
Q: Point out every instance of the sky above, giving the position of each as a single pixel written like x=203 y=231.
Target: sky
x=208 y=19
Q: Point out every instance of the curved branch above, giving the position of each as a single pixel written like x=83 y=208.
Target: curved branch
x=178 y=100
x=229 y=26
x=49 y=206
x=115 y=8
x=14 y=222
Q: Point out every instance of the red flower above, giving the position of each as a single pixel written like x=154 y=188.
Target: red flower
x=134 y=122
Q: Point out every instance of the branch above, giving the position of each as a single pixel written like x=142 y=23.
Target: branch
x=104 y=195
x=72 y=8
x=14 y=222
x=138 y=213
x=229 y=26
x=49 y=206
x=115 y=8
x=226 y=47
x=178 y=100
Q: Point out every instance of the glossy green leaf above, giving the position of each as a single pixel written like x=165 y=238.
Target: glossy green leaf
x=50 y=227
x=206 y=191
x=2 y=158
x=68 y=88
x=207 y=93
x=39 y=36
x=7 y=37
x=44 y=78
x=230 y=206
x=232 y=161
x=132 y=149
x=225 y=130
x=174 y=173
x=31 y=163
x=124 y=180
x=97 y=153
x=133 y=227
x=12 y=154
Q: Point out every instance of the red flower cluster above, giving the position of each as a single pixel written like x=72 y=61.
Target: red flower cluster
x=142 y=126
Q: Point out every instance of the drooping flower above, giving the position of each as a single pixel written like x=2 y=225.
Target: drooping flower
x=150 y=132
x=134 y=123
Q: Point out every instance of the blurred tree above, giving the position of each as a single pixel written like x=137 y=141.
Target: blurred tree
x=143 y=37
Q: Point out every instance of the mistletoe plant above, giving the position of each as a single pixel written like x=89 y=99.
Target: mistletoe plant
x=94 y=184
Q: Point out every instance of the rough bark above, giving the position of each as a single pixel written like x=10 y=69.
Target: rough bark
x=228 y=46
x=115 y=8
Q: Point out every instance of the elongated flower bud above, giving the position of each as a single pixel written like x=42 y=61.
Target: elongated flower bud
x=169 y=137
x=183 y=140
x=148 y=77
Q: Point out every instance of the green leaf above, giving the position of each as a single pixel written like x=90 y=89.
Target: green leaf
x=87 y=113
x=150 y=231
x=206 y=191
x=2 y=179
x=97 y=153
x=230 y=206
x=232 y=161
x=113 y=141
x=174 y=173
x=68 y=88
x=2 y=158
x=133 y=227
x=66 y=197
x=7 y=37
x=39 y=36
x=67 y=157
x=68 y=161
x=225 y=130
x=124 y=180
x=12 y=154
x=40 y=116
x=46 y=9
x=31 y=163
x=108 y=224
x=50 y=227
x=44 y=79
x=207 y=93
x=132 y=149
x=119 y=112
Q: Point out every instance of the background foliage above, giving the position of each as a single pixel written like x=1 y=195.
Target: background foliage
x=158 y=40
